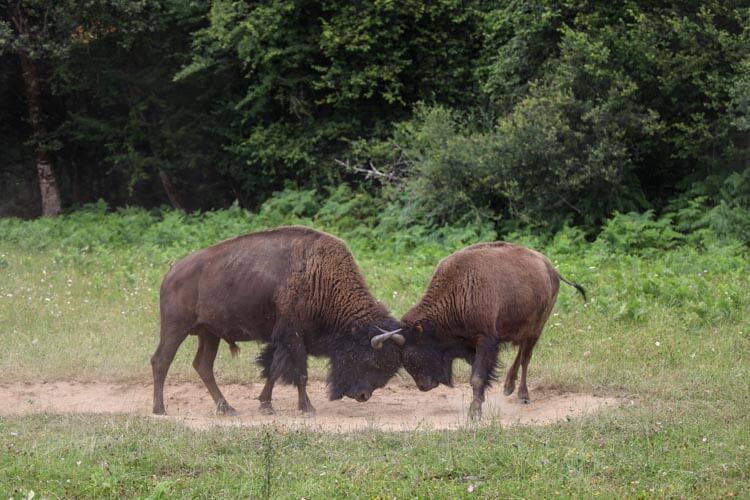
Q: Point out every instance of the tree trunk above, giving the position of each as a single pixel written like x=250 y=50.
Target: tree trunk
x=174 y=198
x=51 y=204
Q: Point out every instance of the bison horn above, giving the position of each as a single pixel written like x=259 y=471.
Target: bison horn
x=377 y=340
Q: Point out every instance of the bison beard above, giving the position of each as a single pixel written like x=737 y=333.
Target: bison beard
x=480 y=297
x=298 y=289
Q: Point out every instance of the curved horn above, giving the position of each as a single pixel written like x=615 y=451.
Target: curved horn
x=394 y=335
x=377 y=340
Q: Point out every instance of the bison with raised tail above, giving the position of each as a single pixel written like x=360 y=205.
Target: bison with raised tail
x=297 y=289
x=480 y=297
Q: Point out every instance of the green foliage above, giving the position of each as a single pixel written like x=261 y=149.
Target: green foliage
x=317 y=74
x=578 y=118
x=718 y=206
x=634 y=233
x=345 y=210
x=677 y=64
x=531 y=166
x=740 y=94
x=465 y=112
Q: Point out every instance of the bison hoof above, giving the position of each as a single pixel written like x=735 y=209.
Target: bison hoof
x=508 y=389
x=266 y=408
x=308 y=413
x=523 y=395
x=225 y=409
x=475 y=411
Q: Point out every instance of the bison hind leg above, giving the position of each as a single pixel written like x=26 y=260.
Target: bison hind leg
x=512 y=375
x=173 y=333
x=208 y=346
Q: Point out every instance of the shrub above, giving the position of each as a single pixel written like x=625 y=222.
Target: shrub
x=638 y=233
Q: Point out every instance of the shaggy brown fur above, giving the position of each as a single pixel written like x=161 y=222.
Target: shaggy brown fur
x=298 y=289
x=479 y=298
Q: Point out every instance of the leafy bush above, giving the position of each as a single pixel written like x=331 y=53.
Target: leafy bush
x=346 y=210
x=635 y=233
x=718 y=206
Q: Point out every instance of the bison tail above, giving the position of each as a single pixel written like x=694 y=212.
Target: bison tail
x=233 y=348
x=578 y=287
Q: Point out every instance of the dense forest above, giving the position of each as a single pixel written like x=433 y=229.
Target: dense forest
x=513 y=113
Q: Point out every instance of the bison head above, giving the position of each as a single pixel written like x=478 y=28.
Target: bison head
x=361 y=363
x=428 y=358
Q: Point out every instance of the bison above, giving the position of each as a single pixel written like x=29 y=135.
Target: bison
x=295 y=288
x=478 y=298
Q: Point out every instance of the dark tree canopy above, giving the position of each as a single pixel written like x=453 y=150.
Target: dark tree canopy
x=540 y=112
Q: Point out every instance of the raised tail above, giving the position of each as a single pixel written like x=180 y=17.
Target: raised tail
x=578 y=287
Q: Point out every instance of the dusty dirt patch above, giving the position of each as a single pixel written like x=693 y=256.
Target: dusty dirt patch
x=391 y=408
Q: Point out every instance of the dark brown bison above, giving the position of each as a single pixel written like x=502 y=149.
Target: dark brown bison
x=297 y=289
x=480 y=297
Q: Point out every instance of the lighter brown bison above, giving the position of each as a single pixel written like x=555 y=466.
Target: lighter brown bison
x=479 y=298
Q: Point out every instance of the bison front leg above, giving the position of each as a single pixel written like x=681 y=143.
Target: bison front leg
x=266 y=408
x=482 y=372
x=208 y=345
x=289 y=361
x=270 y=364
x=298 y=355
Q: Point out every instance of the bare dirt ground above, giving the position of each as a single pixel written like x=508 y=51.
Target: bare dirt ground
x=394 y=408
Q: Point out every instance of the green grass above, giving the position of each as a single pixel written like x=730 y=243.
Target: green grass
x=673 y=450
x=668 y=331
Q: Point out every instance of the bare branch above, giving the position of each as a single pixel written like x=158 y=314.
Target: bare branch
x=580 y=212
x=370 y=172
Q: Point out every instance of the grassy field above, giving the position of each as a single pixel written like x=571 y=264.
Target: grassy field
x=666 y=329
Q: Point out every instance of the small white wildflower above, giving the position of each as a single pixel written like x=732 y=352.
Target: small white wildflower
x=705 y=439
x=471 y=488
x=657 y=343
